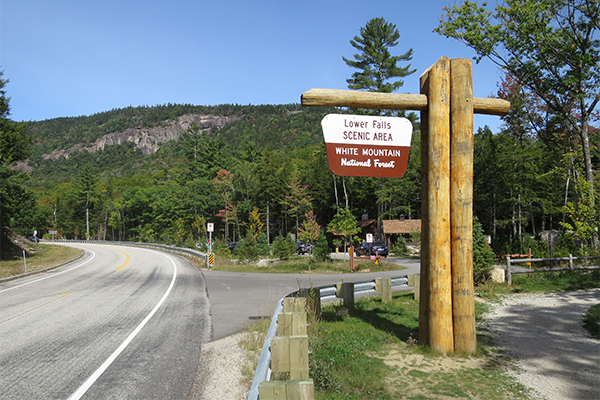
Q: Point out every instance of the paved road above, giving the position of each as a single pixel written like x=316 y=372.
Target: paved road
x=127 y=322
x=238 y=299
x=119 y=323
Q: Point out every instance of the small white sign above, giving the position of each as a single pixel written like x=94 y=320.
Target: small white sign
x=369 y=238
x=367 y=130
x=210 y=227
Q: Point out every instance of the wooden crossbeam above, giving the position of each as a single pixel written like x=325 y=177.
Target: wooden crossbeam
x=391 y=101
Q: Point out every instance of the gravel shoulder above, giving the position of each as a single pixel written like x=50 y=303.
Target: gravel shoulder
x=551 y=351
x=542 y=334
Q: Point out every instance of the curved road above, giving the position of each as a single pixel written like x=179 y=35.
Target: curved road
x=121 y=322
x=127 y=322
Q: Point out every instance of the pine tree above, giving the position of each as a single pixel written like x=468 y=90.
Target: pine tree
x=376 y=66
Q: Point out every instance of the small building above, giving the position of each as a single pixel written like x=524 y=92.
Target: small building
x=367 y=226
x=394 y=228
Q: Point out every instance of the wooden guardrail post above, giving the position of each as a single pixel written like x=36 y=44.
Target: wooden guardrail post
x=348 y=295
x=289 y=353
x=415 y=282
x=384 y=285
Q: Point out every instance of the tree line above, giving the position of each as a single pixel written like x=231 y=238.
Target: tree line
x=536 y=173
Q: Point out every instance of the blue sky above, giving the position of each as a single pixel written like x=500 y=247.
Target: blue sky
x=68 y=58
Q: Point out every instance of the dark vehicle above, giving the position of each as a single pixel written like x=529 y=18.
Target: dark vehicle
x=232 y=246
x=371 y=249
x=303 y=248
x=34 y=239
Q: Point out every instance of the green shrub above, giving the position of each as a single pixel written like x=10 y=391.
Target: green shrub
x=247 y=249
x=283 y=248
x=483 y=255
x=321 y=250
x=400 y=248
x=263 y=245
x=220 y=248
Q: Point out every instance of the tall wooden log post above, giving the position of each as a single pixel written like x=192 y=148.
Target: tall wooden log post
x=436 y=282
x=461 y=205
x=446 y=315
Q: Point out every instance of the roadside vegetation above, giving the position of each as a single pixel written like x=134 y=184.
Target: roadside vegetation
x=38 y=257
x=373 y=352
x=301 y=264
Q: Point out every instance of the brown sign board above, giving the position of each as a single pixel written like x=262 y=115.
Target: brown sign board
x=361 y=145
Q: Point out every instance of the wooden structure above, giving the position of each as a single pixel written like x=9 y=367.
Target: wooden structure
x=396 y=228
x=290 y=355
x=446 y=103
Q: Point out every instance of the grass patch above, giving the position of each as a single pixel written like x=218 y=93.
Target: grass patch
x=371 y=353
x=542 y=282
x=42 y=256
x=252 y=344
x=591 y=321
x=300 y=265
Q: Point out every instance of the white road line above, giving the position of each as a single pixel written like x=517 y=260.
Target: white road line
x=50 y=276
x=94 y=377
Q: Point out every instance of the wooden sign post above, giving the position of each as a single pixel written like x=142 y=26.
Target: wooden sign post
x=446 y=103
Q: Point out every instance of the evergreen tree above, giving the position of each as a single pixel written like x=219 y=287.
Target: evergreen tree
x=15 y=199
x=321 y=252
x=85 y=186
x=376 y=66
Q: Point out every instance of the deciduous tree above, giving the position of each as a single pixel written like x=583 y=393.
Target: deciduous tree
x=551 y=47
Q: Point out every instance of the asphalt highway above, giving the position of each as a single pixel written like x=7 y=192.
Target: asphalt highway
x=119 y=323
x=128 y=323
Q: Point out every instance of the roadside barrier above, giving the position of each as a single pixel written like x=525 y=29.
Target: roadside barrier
x=509 y=261
x=275 y=352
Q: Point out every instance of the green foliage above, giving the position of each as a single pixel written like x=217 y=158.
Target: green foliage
x=483 y=256
x=583 y=216
x=321 y=249
x=376 y=66
x=551 y=50
x=16 y=200
x=344 y=224
x=283 y=248
x=247 y=249
x=220 y=248
x=400 y=248
x=263 y=245
x=310 y=229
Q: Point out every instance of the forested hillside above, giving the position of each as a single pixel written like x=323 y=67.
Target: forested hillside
x=266 y=159
x=271 y=157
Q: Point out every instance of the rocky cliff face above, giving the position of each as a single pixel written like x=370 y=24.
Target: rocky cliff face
x=148 y=140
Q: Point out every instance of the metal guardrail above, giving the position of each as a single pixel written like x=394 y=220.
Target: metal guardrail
x=171 y=249
x=263 y=369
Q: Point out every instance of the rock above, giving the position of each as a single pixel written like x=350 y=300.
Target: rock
x=496 y=275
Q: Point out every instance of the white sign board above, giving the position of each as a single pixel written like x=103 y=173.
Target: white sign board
x=210 y=227
x=365 y=145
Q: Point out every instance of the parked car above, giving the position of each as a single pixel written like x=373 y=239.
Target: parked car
x=34 y=239
x=371 y=249
x=303 y=247
x=232 y=246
